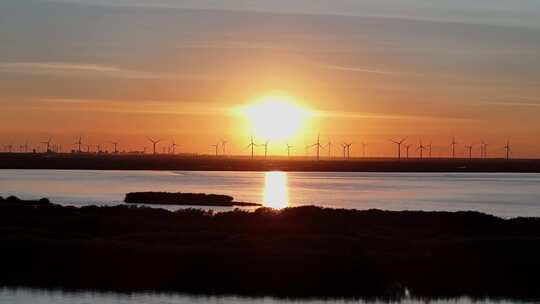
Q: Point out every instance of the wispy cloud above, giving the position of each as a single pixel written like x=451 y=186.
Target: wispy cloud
x=165 y=107
x=356 y=69
x=81 y=69
x=514 y=104
x=385 y=116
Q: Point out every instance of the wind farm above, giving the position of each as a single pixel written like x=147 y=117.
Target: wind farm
x=258 y=158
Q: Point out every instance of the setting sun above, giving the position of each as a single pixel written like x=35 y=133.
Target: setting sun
x=275 y=116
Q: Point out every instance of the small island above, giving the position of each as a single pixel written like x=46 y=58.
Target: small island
x=187 y=199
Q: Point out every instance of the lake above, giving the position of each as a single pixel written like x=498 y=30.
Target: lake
x=505 y=195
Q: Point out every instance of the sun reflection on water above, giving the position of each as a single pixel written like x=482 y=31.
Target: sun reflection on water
x=276 y=191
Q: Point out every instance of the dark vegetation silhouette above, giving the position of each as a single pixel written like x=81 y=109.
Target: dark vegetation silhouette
x=179 y=198
x=212 y=163
x=295 y=252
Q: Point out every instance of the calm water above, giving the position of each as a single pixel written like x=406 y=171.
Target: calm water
x=35 y=296
x=507 y=195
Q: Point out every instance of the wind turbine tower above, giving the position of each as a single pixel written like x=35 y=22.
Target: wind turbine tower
x=407 y=147
x=348 y=147
x=399 y=143
x=453 y=144
x=289 y=147
x=470 y=147
x=79 y=144
x=115 y=144
x=507 y=148
x=48 y=145
x=173 y=146
x=318 y=145
x=364 y=149
x=483 y=150
x=216 y=146
x=329 y=147
x=223 y=143
x=154 y=143
x=421 y=147
x=266 y=148
x=252 y=145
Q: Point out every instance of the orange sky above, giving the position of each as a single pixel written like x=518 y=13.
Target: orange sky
x=124 y=73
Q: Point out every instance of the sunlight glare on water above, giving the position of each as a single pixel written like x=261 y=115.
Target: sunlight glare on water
x=276 y=192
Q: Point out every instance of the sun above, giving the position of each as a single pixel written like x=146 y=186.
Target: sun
x=275 y=116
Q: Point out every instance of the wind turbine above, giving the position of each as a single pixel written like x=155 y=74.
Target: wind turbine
x=507 y=148
x=364 y=149
x=48 y=144
x=216 y=146
x=223 y=143
x=318 y=145
x=79 y=144
x=173 y=146
x=453 y=144
x=252 y=145
x=289 y=147
x=329 y=147
x=399 y=143
x=348 y=147
x=483 y=150
x=344 y=146
x=115 y=143
x=430 y=148
x=470 y=147
x=154 y=143
x=265 y=145
x=407 y=147
x=421 y=147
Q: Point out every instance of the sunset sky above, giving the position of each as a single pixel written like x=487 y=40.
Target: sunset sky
x=364 y=70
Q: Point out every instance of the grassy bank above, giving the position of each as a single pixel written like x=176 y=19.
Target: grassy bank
x=306 y=251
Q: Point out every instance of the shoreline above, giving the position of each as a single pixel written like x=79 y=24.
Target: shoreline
x=296 y=252
x=208 y=163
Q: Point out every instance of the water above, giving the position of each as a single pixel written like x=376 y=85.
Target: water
x=37 y=296
x=506 y=195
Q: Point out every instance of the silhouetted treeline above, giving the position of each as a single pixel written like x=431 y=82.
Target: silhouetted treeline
x=178 y=198
x=207 y=163
x=306 y=251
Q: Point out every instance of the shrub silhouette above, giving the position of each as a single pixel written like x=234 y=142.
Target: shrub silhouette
x=295 y=252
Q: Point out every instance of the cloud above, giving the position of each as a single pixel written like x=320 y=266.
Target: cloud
x=163 y=107
x=513 y=104
x=356 y=69
x=80 y=69
x=384 y=116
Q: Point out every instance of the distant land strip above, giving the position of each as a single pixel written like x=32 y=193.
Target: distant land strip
x=209 y=163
